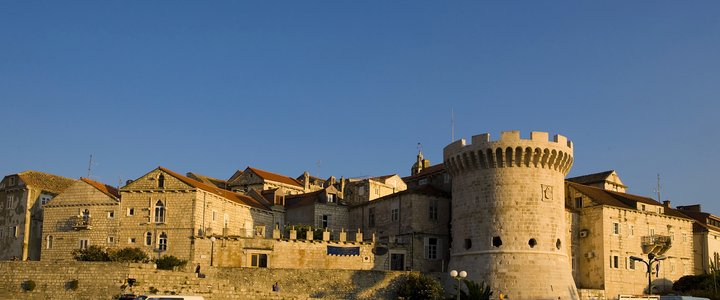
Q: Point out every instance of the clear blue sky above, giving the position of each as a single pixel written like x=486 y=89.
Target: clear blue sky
x=349 y=88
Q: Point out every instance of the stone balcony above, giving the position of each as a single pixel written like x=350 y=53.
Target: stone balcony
x=656 y=244
x=82 y=223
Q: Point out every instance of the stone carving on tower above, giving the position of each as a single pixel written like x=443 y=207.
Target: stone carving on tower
x=508 y=213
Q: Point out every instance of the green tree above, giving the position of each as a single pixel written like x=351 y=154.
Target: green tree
x=128 y=254
x=169 y=262
x=92 y=253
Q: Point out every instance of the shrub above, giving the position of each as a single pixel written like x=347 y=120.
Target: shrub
x=92 y=253
x=28 y=285
x=169 y=262
x=128 y=255
x=476 y=291
x=417 y=286
x=72 y=284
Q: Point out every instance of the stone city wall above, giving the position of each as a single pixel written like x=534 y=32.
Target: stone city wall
x=100 y=280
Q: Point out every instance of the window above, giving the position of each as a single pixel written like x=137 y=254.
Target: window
x=111 y=215
x=325 y=221
x=258 y=260
x=371 y=217
x=395 y=214
x=214 y=215
x=226 y=220
x=377 y=191
x=614 y=261
x=44 y=200
x=651 y=231
x=10 y=201
x=148 y=239
x=631 y=264
x=17 y=231
x=578 y=202
x=49 y=242
x=423 y=181
x=433 y=210
x=111 y=240
x=131 y=240
x=616 y=228
x=12 y=181
x=161 y=181
x=83 y=244
x=431 y=248
x=330 y=198
x=642 y=207
x=162 y=242
x=130 y=211
x=159 y=212
x=631 y=230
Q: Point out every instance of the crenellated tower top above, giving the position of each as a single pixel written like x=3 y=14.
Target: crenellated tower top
x=510 y=151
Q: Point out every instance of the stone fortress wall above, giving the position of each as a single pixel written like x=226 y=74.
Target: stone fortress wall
x=508 y=213
x=102 y=280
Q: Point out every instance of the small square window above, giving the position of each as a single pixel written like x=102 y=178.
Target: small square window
x=130 y=211
x=111 y=215
x=131 y=240
x=616 y=228
x=111 y=240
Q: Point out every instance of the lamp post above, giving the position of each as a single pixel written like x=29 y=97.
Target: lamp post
x=212 y=249
x=459 y=276
x=651 y=259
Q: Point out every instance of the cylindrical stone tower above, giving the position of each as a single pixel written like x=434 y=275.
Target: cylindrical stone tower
x=508 y=213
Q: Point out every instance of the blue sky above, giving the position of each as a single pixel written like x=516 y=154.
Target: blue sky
x=349 y=88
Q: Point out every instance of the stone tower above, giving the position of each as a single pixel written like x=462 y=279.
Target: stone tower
x=508 y=213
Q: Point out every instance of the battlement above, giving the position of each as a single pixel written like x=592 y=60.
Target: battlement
x=511 y=136
x=510 y=151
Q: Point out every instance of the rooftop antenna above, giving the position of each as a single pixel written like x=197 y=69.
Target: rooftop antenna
x=419 y=148
x=89 y=167
x=319 y=164
x=452 y=125
x=658 y=187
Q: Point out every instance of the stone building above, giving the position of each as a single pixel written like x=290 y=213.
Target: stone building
x=435 y=176
x=361 y=190
x=613 y=226
x=607 y=180
x=164 y=213
x=706 y=238
x=508 y=213
x=260 y=180
x=22 y=197
x=86 y=213
x=414 y=224
x=321 y=209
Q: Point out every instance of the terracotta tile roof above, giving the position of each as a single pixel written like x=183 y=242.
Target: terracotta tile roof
x=592 y=178
x=302 y=199
x=275 y=177
x=618 y=199
x=47 y=182
x=208 y=180
x=427 y=171
x=106 y=189
x=217 y=191
x=235 y=176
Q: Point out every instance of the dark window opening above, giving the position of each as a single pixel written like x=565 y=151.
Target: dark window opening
x=161 y=181
x=468 y=244
x=532 y=243
x=558 y=244
x=496 y=241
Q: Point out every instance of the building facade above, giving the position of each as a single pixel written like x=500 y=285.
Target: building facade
x=22 y=197
x=86 y=213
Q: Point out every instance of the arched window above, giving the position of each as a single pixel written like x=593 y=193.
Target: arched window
x=49 y=242
x=148 y=239
x=159 y=212
x=161 y=181
x=162 y=242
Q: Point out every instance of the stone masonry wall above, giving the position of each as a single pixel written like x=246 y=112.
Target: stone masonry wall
x=106 y=280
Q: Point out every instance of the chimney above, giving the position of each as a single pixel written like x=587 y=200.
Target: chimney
x=666 y=203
